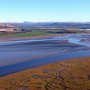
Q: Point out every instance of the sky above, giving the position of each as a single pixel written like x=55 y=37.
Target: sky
x=45 y=10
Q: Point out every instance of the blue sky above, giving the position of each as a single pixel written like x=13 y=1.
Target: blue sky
x=45 y=10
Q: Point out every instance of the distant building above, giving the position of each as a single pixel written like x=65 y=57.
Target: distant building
x=85 y=29
x=6 y=28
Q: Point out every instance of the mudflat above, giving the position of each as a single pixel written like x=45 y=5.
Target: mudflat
x=20 y=55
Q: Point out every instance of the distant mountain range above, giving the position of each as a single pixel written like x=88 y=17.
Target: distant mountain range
x=55 y=24
x=51 y=24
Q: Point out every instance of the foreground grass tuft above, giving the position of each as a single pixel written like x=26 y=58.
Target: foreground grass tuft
x=64 y=75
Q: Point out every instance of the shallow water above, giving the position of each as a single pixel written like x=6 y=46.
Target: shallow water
x=20 y=55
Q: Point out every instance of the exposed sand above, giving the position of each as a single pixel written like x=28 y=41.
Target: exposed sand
x=64 y=75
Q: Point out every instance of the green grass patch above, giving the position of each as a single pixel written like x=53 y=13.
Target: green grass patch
x=27 y=34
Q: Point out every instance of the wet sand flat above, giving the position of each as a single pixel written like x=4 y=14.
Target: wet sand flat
x=26 y=54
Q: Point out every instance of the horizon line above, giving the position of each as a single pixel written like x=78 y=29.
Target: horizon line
x=44 y=21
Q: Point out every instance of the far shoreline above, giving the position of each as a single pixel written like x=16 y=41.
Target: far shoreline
x=15 y=37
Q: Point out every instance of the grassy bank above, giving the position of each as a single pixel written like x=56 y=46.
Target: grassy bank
x=27 y=34
x=24 y=35
x=64 y=75
x=40 y=32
